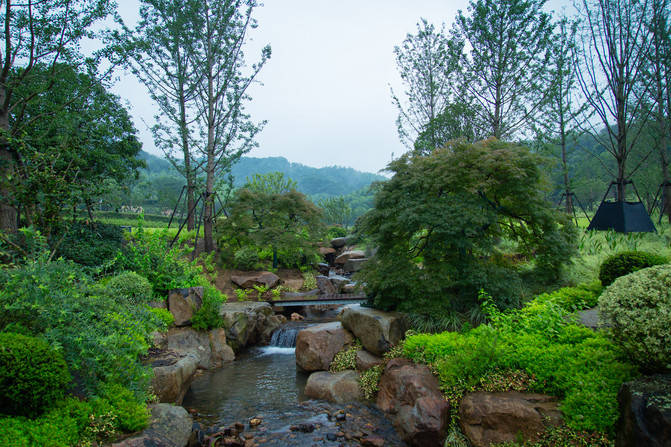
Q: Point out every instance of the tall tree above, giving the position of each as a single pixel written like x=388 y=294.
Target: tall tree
x=507 y=47
x=159 y=53
x=561 y=109
x=659 y=70
x=36 y=34
x=426 y=62
x=227 y=131
x=615 y=40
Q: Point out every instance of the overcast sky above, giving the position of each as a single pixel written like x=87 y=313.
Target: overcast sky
x=325 y=91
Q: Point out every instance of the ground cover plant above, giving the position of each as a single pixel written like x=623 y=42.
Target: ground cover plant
x=584 y=368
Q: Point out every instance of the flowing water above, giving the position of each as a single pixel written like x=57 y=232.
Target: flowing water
x=265 y=383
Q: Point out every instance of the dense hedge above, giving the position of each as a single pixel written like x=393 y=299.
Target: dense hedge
x=89 y=245
x=32 y=375
x=627 y=262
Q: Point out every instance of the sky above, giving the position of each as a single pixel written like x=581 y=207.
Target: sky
x=325 y=91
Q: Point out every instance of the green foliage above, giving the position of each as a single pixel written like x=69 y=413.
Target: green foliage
x=163 y=317
x=582 y=367
x=345 y=358
x=445 y=223
x=242 y=294
x=208 y=316
x=150 y=255
x=638 y=309
x=572 y=299
x=335 y=231
x=564 y=437
x=626 y=262
x=90 y=245
x=370 y=381
x=309 y=281
x=336 y=211
x=129 y=287
x=74 y=422
x=283 y=221
x=99 y=337
x=32 y=375
x=246 y=258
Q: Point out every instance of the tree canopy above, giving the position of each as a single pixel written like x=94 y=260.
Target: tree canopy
x=444 y=221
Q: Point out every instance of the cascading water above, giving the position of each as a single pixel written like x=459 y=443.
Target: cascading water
x=285 y=337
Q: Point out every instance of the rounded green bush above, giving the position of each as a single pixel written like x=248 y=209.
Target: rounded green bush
x=130 y=288
x=246 y=258
x=627 y=262
x=638 y=309
x=32 y=375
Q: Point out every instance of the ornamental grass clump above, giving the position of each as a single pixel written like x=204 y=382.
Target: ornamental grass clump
x=637 y=307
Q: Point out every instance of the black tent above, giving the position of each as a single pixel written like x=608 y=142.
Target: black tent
x=623 y=217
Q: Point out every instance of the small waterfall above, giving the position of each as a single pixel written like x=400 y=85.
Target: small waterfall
x=285 y=337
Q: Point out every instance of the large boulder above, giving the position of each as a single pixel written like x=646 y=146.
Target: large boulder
x=182 y=303
x=209 y=347
x=170 y=426
x=339 y=282
x=645 y=412
x=352 y=254
x=411 y=396
x=340 y=387
x=250 y=279
x=365 y=360
x=338 y=242
x=325 y=285
x=492 y=418
x=377 y=330
x=245 y=322
x=173 y=373
x=316 y=346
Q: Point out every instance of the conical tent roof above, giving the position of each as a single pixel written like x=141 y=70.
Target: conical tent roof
x=623 y=217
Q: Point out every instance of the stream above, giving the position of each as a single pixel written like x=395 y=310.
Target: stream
x=265 y=383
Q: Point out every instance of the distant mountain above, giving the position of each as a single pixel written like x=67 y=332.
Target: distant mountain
x=315 y=182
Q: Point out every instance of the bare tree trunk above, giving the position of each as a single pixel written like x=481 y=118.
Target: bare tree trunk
x=208 y=214
x=8 y=214
x=190 y=180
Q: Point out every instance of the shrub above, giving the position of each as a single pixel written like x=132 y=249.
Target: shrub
x=370 y=381
x=625 y=263
x=150 y=255
x=130 y=288
x=99 y=338
x=163 y=317
x=638 y=309
x=335 y=231
x=246 y=258
x=32 y=374
x=572 y=299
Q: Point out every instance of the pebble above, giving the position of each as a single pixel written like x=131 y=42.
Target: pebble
x=331 y=436
x=254 y=422
x=372 y=441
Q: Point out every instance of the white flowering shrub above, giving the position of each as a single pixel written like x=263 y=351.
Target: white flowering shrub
x=638 y=309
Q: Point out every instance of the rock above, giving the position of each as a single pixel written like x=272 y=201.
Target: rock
x=323 y=268
x=339 y=282
x=272 y=323
x=337 y=387
x=354 y=265
x=412 y=397
x=245 y=322
x=159 y=340
x=297 y=317
x=377 y=330
x=251 y=279
x=170 y=426
x=209 y=348
x=365 y=360
x=254 y=422
x=645 y=412
x=316 y=346
x=338 y=242
x=304 y=428
x=324 y=251
x=325 y=285
x=173 y=373
x=346 y=256
x=489 y=418
x=182 y=303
